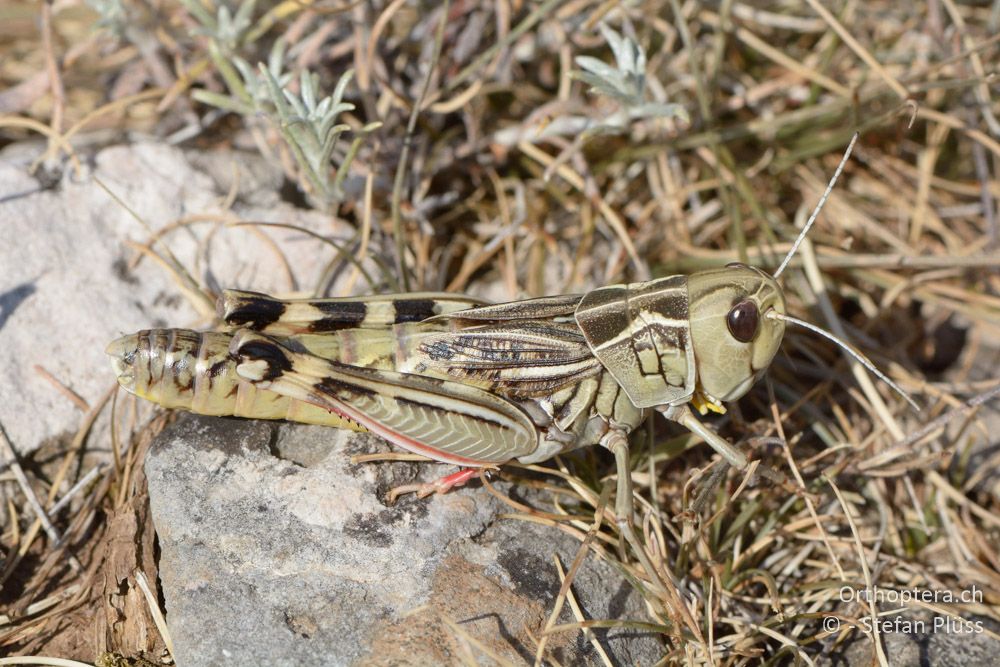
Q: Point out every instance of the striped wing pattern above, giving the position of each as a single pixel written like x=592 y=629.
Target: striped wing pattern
x=283 y=317
x=522 y=359
x=446 y=420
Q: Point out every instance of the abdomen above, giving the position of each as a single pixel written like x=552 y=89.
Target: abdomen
x=192 y=370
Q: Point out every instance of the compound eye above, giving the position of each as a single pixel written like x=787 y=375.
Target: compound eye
x=743 y=321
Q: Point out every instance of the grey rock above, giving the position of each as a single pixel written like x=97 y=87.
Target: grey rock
x=276 y=550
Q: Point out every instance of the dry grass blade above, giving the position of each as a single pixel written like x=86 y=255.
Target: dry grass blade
x=863 y=560
x=40 y=514
x=154 y=609
x=397 y=188
x=578 y=613
x=861 y=51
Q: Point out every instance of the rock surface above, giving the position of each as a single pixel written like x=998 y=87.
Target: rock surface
x=277 y=550
x=68 y=285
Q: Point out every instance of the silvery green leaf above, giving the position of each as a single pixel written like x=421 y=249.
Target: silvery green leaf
x=603 y=129
x=275 y=92
x=330 y=118
x=341 y=107
x=276 y=58
x=330 y=142
x=196 y=10
x=345 y=78
x=325 y=124
x=323 y=108
x=226 y=32
x=307 y=92
x=597 y=67
x=235 y=82
x=244 y=14
x=296 y=103
x=658 y=110
x=620 y=47
x=599 y=85
x=244 y=69
x=635 y=84
x=304 y=137
x=231 y=28
x=307 y=121
x=221 y=101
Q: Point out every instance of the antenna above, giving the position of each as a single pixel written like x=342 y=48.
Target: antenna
x=819 y=207
x=850 y=349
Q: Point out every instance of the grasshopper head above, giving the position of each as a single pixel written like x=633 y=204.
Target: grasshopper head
x=734 y=339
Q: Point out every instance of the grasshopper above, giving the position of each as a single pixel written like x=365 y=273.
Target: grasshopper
x=478 y=385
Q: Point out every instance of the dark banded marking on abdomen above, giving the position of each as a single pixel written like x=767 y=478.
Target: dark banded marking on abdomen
x=192 y=370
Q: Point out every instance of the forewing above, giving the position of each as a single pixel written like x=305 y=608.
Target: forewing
x=260 y=312
x=442 y=419
x=541 y=308
x=520 y=359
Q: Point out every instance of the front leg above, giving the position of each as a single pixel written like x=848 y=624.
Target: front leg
x=682 y=415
